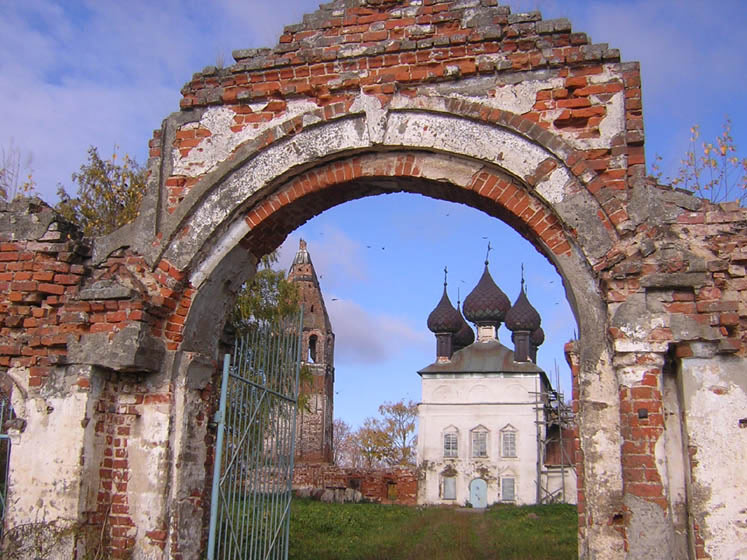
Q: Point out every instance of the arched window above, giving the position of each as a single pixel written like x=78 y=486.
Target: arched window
x=479 y=441
x=508 y=488
x=451 y=444
x=508 y=441
x=312 y=348
x=448 y=488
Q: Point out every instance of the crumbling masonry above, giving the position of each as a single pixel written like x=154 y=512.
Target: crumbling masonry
x=112 y=345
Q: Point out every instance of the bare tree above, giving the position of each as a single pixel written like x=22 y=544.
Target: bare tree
x=16 y=175
x=342 y=441
x=712 y=170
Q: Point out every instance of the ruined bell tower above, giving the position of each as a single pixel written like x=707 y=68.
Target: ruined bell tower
x=314 y=425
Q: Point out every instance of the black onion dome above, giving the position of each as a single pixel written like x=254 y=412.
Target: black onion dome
x=487 y=302
x=537 y=337
x=522 y=316
x=444 y=318
x=465 y=335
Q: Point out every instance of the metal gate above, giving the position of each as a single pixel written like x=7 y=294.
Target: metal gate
x=6 y=413
x=250 y=508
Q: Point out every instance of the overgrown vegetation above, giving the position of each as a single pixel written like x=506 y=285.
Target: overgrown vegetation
x=108 y=196
x=268 y=298
x=711 y=170
x=45 y=540
x=378 y=532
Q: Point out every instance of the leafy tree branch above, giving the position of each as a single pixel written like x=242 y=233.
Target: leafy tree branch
x=108 y=195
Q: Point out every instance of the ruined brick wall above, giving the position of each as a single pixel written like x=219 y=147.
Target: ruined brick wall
x=462 y=100
x=314 y=422
x=41 y=267
x=78 y=348
x=397 y=485
x=676 y=292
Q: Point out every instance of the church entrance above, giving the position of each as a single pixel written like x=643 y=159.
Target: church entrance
x=478 y=493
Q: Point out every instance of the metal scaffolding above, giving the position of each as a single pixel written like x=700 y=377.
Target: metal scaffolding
x=551 y=411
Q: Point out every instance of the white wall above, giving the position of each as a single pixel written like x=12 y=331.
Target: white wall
x=464 y=401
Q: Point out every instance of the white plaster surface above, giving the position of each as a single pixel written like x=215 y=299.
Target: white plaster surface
x=520 y=98
x=148 y=461
x=445 y=133
x=715 y=395
x=45 y=468
x=555 y=187
x=375 y=115
x=260 y=171
x=222 y=142
x=235 y=233
x=405 y=128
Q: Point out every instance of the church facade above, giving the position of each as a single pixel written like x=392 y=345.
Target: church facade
x=490 y=430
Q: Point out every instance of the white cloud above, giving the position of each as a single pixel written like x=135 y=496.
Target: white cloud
x=669 y=39
x=338 y=259
x=362 y=336
x=76 y=74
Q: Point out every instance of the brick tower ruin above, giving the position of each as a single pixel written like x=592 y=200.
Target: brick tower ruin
x=314 y=426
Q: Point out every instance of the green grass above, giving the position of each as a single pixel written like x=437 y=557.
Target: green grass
x=376 y=532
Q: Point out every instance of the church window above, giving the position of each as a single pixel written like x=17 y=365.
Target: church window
x=450 y=444
x=449 y=488
x=479 y=442
x=508 y=443
x=312 y=348
x=508 y=489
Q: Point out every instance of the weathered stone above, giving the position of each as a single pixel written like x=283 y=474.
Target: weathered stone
x=131 y=349
x=28 y=219
x=106 y=289
x=675 y=280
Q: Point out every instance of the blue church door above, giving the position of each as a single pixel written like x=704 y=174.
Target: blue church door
x=478 y=493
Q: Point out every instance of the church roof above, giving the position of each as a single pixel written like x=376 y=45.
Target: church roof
x=302 y=269
x=522 y=316
x=537 y=337
x=482 y=357
x=444 y=318
x=302 y=273
x=302 y=256
x=486 y=303
x=465 y=335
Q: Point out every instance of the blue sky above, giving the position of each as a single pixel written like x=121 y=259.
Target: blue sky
x=105 y=73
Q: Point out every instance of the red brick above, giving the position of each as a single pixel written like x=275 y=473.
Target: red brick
x=51 y=289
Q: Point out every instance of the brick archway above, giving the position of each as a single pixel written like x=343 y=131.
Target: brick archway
x=455 y=177
x=521 y=118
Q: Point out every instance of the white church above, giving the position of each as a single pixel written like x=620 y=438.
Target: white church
x=491 y=426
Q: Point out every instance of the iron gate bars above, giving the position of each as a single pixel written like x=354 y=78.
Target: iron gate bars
x=255 y=444
x=6 y=412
